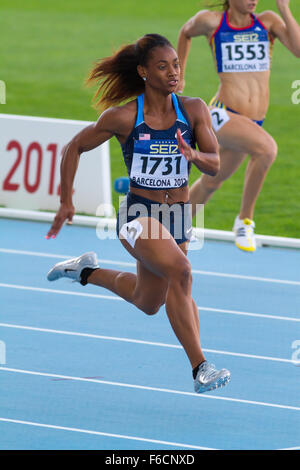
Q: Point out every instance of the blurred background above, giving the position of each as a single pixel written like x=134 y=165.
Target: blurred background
x=47 y=48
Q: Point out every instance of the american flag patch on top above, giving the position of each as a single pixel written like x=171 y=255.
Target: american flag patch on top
x=144 y=136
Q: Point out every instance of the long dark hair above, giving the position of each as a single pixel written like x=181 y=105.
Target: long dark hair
x=117 y=74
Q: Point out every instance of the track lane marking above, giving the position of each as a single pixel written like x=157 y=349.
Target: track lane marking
x=152 y=389
x=114 y=297
x=125 y=263
x=139 y=341
x=105 y=434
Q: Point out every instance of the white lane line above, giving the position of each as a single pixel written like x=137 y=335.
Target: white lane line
x=248 y=278
x=62 y=257
x=105 y=434
x=57 y=291
x=114 y=297
x=125 y=263
x=291 y=448
x=139 y=341
x=152 y=389
x=249 y=314
x=32 y=253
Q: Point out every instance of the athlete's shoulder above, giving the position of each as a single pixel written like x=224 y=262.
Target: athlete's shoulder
x=120 y=112
x=205 y=22
x=212 y=17
x=268 y=18
x=192 y=101
x=195 y=107
x=119 y=118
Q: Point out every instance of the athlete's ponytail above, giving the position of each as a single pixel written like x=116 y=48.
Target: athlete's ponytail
x=224 y=4
x=118 y=76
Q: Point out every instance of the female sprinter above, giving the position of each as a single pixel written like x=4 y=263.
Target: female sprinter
x=241 y=44
x=156 y=132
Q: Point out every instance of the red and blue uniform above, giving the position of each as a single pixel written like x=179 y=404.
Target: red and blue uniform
x=240 y=50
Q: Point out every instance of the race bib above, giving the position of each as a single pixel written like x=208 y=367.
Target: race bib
x=245 y=52
x=131 y=232
x=219 y=117
x=158 y=164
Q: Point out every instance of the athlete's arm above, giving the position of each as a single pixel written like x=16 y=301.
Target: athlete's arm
x=286 y=28
x=87 y=139
x=207 y=158
x=202 y=24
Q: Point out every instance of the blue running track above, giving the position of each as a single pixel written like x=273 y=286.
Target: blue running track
x=82 y=369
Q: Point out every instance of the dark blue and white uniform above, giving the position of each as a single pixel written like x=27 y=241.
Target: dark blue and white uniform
x=152 y=158
x=153 y=162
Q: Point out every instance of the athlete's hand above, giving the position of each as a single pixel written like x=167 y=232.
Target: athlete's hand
x=282 y=4
x=180 y=86
x=65 y=212
x=184 y=148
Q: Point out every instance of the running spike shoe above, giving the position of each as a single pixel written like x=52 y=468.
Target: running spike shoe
x=244 y=234
x=72 y=268
x=209 y=378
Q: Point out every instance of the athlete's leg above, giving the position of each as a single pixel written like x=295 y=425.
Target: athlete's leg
x=164 y=258
x=203 y=188
x=145 y=289
x=237 y=138
x=119 y=282
x=164 y=276
x=184 y=248
x=243 y=135
x=256 y=173
x=148 y=290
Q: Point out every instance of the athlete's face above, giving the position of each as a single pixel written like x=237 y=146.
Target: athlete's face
x=162 y=69
x=243 y=6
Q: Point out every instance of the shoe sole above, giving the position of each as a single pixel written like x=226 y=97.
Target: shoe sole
x=218 y=384
x=244 y=248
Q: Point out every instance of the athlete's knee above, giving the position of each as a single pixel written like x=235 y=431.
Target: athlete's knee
x=181 y=275
x=213 y=183
x=151 y=308
x=207 y=184
x=273 y=152
x=150 y=304
x=266 y=152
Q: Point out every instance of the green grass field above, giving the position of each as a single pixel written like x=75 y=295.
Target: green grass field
x=48 y=46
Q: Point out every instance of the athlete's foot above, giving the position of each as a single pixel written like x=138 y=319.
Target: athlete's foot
x=244 y=234
x=72 y=268
x=209 y=378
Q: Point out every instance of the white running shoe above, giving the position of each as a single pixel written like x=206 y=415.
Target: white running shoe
x=72 y=268
x=244 y=234
x=209 y=378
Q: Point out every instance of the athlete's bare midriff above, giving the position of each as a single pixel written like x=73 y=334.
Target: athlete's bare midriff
x=170 y=196
x=246 y=93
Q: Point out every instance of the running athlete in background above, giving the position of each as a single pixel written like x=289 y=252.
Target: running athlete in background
x=241 y=43
x=158 y=133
